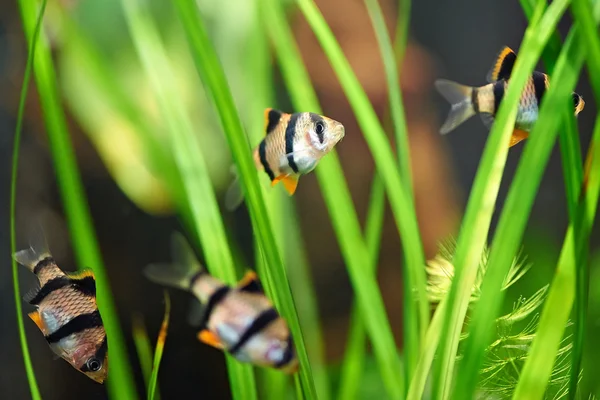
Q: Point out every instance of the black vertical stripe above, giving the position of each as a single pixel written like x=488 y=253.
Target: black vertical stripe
x=498 y=94
x=575 y=100
x=290 y=131
x=288 y=356
x=262 y=153
x=474 y=100
x=195 y=277
x=507 y=65
x=49 y=287
x=43 y=263
x=319 y=124
x=75 y=325
x=539 y=84
x=272 y=120
x=86 y=285
x=214 y=299
x=261 y=322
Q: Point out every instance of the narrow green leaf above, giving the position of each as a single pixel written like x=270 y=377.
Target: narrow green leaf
x=354 y=357
x=401 y=201
x=339 y=203
x=538 y=366
x=517 y=208
x=160 y=345
x=480 y=208
x=120 y=384
x=33 y=386
x=143 y=349
x=583 y=13
x=212 y=75
x=411 y=318
x=205 y=215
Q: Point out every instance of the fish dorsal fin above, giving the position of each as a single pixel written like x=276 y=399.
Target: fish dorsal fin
x=272 y=118
x=503 y=65
x=250 y=283
x=80 y=275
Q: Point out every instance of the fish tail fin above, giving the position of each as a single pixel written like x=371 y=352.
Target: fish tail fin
x=37 y=251
x=459 y=97
x=234 y=196
x=181 y=271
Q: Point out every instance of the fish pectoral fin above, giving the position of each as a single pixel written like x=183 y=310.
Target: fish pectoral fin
x=290 y=182
x=517 y=136
x=503 y=65
x=277 y=179
x=210 y=339
x=250 y=283
x=37 y=318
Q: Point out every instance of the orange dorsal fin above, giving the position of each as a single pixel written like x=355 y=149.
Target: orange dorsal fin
x=517 y=136
x=208 y=337
x=503 y=65
x=250 y=283
x=36 y=317
x=81 y=274
x=272 y=118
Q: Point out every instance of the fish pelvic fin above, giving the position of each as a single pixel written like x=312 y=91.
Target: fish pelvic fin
x=517 y=136
x=290 y=182
x=181 y=272
x=503 y=65
x=459 y=97
x=210 y=339
x=37 y=319
x=37 y=251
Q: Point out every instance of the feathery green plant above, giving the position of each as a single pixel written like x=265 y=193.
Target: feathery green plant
x=479 y=211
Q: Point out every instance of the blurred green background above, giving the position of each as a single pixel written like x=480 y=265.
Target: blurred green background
x=133 y=212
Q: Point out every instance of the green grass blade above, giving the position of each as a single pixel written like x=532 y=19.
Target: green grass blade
x=143 y=349
x=583 y=14
x=339 y=203
x=411 y=328
x=213 y=77
x=160 y=345
x=480 y=208
x=191 y=164
x=33 y=386
x=401 y=201
x=538 y=366
x=432 y=339
x=120 y=383
x=517 y=208
x=354 y=357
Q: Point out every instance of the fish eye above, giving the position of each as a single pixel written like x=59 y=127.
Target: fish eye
x=320 y=128
x=93 y=364
x=575 y=99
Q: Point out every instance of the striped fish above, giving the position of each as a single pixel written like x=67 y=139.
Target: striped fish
x=240 y=320
x=467 y=101
x=67 y=313
x=293 y=145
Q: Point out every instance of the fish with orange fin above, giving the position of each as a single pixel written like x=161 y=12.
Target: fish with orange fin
x=485 y=100
x=240 y=320
x=67 y=313
x=293 y=145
